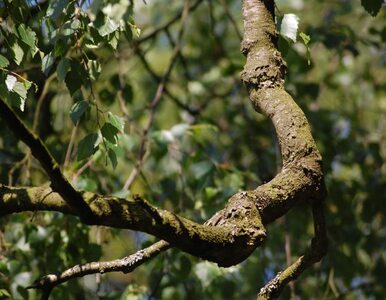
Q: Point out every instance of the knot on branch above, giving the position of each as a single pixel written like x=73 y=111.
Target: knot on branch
x=265 y=68
x=247 y=231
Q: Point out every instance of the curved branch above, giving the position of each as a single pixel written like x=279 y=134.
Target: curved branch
x=301 y=177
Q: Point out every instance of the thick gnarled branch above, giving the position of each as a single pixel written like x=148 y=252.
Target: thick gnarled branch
x=229 y=243
x=301 y=176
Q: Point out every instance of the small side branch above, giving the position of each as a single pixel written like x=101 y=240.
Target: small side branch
x=126 y=265
x=314 y=254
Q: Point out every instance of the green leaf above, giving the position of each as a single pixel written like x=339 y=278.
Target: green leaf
x=27 y=84
x=4 y=293
x=94 y=40
x=28 y=37
x=135 y=30
x=289 y=26
x=306 y=39
x=87 y=146
x=72 y=82
x=117 y=122
x=105 y=25
x=10 y=82
x=210 y=192
x=94 y=69
x=113 y=39
x=75 y=24
x=47 y=63
x=21 y=90
x=76 y=77
x=109 y=132
x=63 y=67
x=4 y=62
x=372 y=6
x=60 y=48
x=77 y=110
x=113 y=157
x=17 y=52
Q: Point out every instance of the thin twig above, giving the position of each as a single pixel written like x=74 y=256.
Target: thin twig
x=180 y=56
x=41 y=100
x=70 y=146
x=82 y=169
x=126 y=265
x=192 y=110
x=288 y=255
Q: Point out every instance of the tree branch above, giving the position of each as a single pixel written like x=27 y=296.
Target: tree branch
x=233 y=233
x=40 y=152
x=301 y=177
x=226 y=243
x=126 y=265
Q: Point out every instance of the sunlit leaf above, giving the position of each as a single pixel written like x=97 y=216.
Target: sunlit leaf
x=306 y=39
x=105 y=25
x=47 y=63
x=94 y=69
x=289 y=26
x=4 y=62
x=21 y=90
x=10 y=82
x=117 y=122
x=28 y=37
x=17 y=52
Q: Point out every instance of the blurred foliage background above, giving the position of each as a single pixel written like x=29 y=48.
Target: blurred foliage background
x=204 y=143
